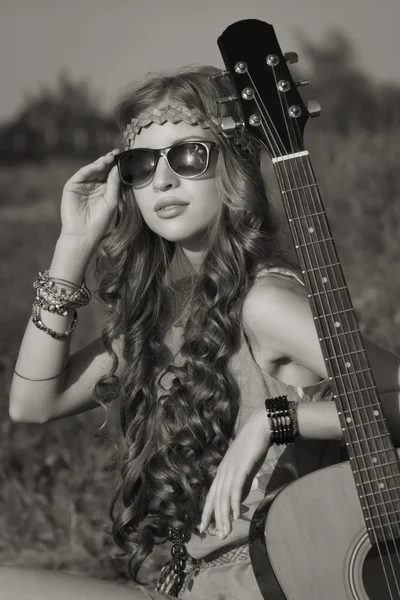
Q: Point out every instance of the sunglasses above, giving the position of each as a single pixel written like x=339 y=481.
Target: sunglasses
x=186 y=159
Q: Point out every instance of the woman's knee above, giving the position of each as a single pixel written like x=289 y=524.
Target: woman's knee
x=22 y=583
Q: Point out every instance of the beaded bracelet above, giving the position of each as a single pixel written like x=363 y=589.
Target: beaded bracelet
x=283 y=421
x=52 y=295
x=51 y=306
x=54 y=334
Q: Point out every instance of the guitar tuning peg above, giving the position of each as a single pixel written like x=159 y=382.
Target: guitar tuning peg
x=221 y=74
x=230 y=127
x=305 y=82
x=291 y=57
x=226 y=99
x=314 y=108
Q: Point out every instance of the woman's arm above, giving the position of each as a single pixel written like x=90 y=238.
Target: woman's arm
x=47 y=384
x=42 y=357
x=278 y=321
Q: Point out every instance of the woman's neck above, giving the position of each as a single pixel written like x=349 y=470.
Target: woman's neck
x=194 y=258
x=188 y=261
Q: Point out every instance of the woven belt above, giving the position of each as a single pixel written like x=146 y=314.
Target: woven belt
x=229 y=554
x=225 y=555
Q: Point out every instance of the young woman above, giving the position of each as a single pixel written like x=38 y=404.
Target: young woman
x=206 y=321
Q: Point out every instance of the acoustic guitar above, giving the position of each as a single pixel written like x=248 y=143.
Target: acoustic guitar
x=333 y=534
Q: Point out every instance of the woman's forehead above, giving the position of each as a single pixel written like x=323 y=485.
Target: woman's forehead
x=161 y=136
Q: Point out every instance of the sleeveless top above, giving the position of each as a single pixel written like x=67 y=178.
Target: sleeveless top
x=282 y=463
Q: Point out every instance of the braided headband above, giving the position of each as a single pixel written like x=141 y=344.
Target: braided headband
x=181 y=113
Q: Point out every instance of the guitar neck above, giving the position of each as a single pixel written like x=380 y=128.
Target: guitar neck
x=273 y=112
x=373 y=458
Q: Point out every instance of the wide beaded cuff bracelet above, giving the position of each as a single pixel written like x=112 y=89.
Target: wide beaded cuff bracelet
x=282 y=416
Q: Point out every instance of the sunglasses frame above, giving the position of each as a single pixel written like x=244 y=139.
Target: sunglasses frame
x=164 y=153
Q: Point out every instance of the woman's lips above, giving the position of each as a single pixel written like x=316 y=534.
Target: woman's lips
x=171 y=211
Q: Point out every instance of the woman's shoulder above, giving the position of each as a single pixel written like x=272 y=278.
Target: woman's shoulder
x=275 y=281
x=278 y=323
x=275 y=302
x=280 y=268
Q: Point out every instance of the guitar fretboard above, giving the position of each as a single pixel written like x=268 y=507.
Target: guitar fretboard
x=372 y=456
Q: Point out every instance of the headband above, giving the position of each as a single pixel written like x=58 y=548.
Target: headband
x=181 y=113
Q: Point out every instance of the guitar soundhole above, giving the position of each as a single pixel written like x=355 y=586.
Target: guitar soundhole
x=381 y=572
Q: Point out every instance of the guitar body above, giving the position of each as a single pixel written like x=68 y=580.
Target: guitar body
x=316 y=545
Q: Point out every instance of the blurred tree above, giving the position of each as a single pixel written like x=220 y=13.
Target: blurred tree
x=61 y=122
x=68 y=120
x=349 y=98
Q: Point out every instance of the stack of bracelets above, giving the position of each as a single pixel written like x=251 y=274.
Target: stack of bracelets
x=58 y=296
x=282 y=416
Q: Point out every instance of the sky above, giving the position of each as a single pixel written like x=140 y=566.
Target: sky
x=113 y=42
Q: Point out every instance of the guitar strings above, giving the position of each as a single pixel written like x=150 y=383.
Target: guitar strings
x=369 y=371
x=280 y=152
x=372 y=427
x=308 y=191
x=368 y=507
x=336 y=308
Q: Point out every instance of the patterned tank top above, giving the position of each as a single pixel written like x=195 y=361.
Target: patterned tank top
x=282 y=463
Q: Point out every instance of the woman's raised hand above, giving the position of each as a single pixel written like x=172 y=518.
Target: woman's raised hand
x=90 y=199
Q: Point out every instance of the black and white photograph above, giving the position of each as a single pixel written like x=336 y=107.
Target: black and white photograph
x=200 y=300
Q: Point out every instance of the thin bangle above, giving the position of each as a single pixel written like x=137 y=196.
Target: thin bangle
x=44 y=379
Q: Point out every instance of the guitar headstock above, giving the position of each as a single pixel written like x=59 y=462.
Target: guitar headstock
x=272 y=108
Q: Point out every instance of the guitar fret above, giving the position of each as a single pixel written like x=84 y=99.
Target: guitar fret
x=385 y=514
x=366 y=439
x=345 y=355
x=336 y=312
x=381 y=491
x=341 y=334
x=301 y=187
x=314 y=243
x=391 y=527
x=378 y=451
x=365 y=423
x=299 y=218
x=327 y=266
x=365 y=389
x=349 y=411
x=326 y=291
x=376 y=504
x=377 y=465
x=379 y=480
x=352 y=373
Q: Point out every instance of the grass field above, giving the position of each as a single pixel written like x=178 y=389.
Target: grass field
x=57 y=479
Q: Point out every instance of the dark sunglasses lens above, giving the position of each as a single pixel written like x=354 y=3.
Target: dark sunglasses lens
x=188 y=159
x=136 y=166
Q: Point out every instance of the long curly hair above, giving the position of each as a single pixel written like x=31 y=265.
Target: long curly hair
x=175 y=436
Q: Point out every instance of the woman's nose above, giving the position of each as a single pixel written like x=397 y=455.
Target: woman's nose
x=164 y=178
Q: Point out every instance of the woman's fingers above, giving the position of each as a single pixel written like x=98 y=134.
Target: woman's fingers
x=112 y=191
x=223 y=500
x=93 y=169
x=222 y=504
x=236 y=498
x=230 y=499
x=208 y=507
